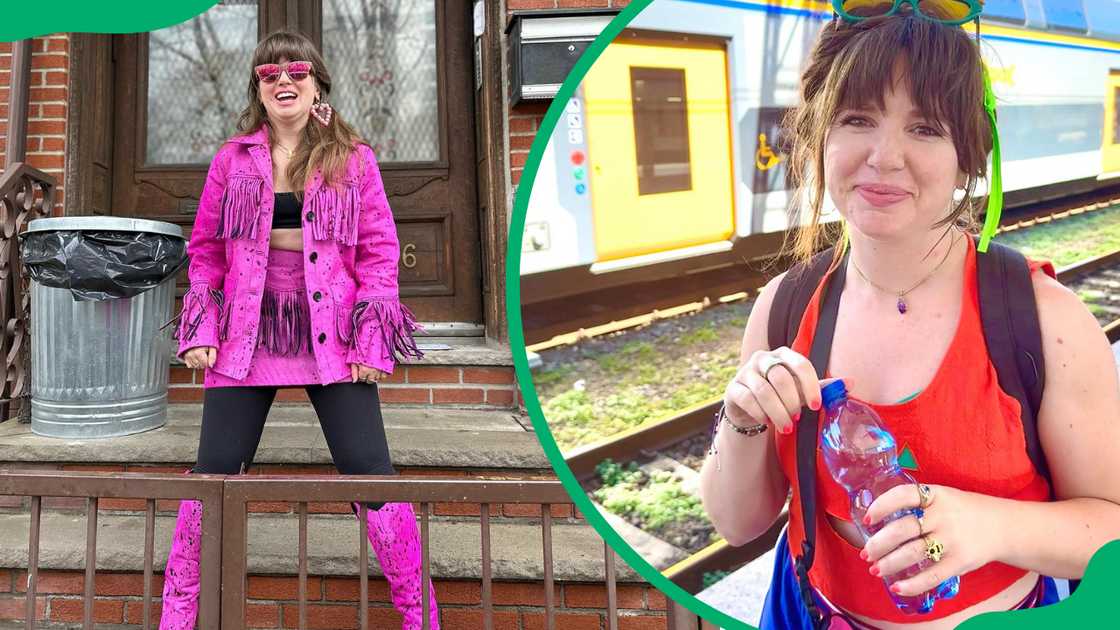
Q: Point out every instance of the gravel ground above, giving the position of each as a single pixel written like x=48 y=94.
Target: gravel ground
x=601 y=386
x=1069 y=240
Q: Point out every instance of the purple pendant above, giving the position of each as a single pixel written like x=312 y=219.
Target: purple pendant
x=901 y=306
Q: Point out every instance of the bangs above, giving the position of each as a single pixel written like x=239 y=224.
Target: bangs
x=934 y=62
x=853 y=66
x=282 y=46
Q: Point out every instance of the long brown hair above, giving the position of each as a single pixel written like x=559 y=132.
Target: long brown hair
x=850 y=65
x=326 y=148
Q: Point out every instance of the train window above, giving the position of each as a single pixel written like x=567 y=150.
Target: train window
x=1066 y=15
x=1116 y=110
x=1005 y=11
x=660 y=129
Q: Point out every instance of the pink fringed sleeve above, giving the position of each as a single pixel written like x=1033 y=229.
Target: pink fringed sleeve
x=202 y=319
x=381 y=325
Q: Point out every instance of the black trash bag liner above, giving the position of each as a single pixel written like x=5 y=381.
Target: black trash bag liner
x=102 y=264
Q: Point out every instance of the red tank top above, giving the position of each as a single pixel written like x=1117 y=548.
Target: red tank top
x=963 y=432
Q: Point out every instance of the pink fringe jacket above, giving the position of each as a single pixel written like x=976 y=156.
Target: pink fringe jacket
x=350 y=255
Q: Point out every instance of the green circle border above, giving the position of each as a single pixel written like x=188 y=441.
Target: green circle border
x=517 y=336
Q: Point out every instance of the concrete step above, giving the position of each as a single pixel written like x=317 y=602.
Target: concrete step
x=451 y=351
x=332 y=547
x=418 y=437
x=462 y=351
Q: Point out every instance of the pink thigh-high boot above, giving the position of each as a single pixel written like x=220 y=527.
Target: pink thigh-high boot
x=180 y=578
x=396 y=542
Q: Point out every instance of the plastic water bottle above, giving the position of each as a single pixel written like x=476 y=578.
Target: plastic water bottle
x=863 y=458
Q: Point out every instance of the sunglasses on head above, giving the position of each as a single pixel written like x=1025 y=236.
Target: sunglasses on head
x=951 y=12
x=270 y=72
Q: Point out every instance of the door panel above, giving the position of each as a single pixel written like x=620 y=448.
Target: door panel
x=659 y=147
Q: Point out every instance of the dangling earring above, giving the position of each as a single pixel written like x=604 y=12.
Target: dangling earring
x=321 y=111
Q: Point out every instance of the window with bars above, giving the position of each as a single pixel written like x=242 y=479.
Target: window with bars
x=382 y=57
x=197 y=76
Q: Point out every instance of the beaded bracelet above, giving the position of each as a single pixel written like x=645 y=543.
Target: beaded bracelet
x=721 y=416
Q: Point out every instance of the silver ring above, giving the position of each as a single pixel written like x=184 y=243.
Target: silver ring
x=769 y=362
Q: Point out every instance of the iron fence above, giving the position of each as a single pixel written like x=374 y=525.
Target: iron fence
x=224 y=549
x=26 y=193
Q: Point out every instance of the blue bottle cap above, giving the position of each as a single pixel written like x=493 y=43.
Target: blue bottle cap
x=834 y=392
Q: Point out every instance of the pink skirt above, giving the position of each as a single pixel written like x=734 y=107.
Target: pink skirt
x=284 y=355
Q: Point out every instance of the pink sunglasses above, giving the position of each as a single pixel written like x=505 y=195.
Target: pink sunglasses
x=270 y=72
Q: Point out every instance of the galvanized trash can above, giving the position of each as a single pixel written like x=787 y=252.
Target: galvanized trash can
x=99 y=365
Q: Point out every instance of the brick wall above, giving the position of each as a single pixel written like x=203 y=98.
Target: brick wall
x=272 y=602
x=46 y=112
x=457 y=385
x=525 y=119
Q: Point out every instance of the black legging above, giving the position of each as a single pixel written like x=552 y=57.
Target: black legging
x=349 y=413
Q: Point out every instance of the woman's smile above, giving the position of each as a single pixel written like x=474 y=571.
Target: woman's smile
x=881 y=195
x=286 y=98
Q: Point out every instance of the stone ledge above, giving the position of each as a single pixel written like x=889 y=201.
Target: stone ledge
x=463 y=351
x=455 y=551
x=450 y=351
x=418 y=437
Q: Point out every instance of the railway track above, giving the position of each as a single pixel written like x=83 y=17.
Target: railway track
x=577 y=315
x=647 y=441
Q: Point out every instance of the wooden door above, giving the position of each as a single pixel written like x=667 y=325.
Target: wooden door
x=402 y=75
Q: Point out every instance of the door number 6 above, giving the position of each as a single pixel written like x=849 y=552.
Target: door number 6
x=408 y=255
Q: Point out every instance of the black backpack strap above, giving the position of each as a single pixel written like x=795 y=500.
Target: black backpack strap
x=808 y=427
x=1009 y=316
x=792 y=298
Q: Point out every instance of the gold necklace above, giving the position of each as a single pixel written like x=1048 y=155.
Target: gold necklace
x=286 y=150
x=902 y=305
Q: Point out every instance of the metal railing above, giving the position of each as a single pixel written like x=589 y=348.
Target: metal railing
x=224 y=550
x=239 y=491
x=95 y=486
x=26 y=193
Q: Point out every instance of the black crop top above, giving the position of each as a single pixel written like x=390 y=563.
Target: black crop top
x=286 y=210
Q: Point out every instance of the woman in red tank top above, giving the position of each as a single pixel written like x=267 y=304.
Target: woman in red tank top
x=892 y=128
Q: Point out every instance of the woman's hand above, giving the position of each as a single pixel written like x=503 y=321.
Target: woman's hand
x=365 y=374
x=963 y=522
x=200 y=357
x=772 y=386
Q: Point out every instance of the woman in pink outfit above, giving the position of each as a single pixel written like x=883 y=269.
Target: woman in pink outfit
x=294 y=283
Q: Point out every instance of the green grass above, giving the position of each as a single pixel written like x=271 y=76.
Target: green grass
x=652 y=502
x=608 y=386
x=1069 y=240
x=647 y=391
x=710 y=578
x=633 y=353
x=552 y=375
x=699 y=335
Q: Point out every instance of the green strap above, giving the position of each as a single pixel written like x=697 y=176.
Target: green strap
x=995 y=190
x=910 y=397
